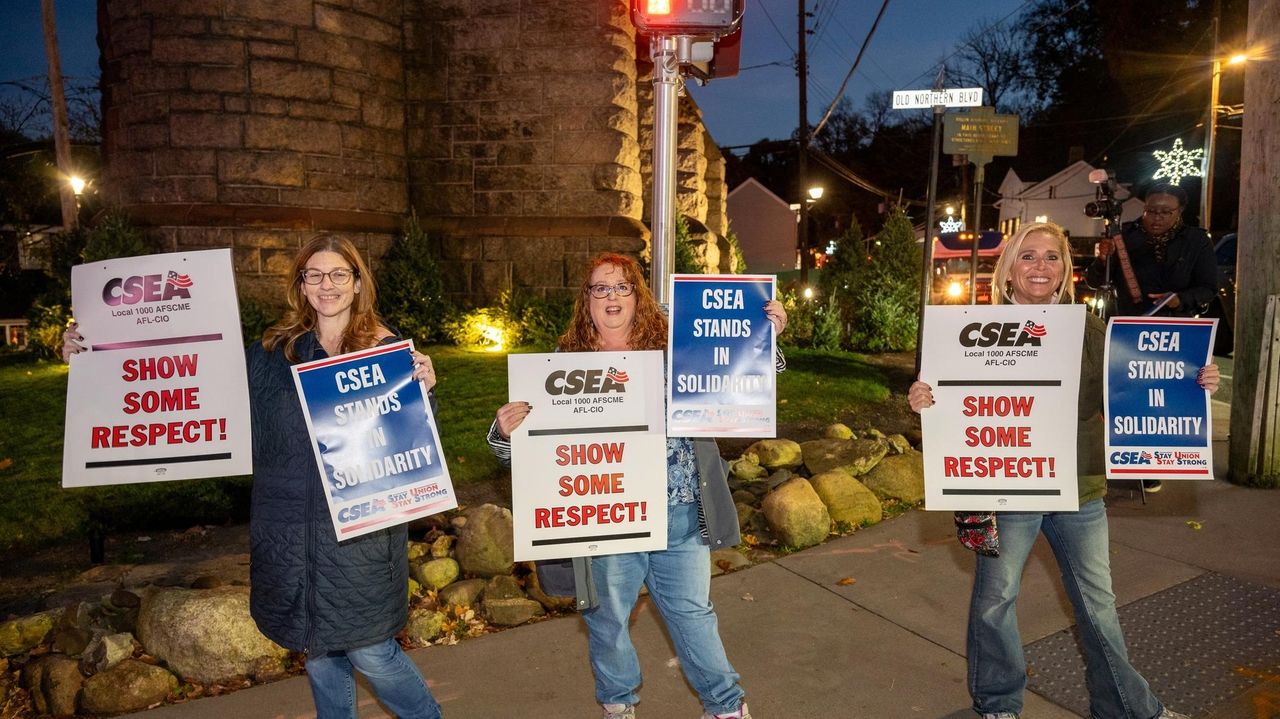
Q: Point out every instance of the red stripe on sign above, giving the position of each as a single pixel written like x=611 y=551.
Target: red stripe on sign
x=1202 y=472
x=354 y=356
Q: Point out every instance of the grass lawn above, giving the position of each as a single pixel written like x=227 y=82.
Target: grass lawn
x=818 y=387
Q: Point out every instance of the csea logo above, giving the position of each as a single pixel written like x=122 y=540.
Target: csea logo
x=361 y=511
x=1002 y=334
x=1131 y=458
x=586 y=381
x=146 y=288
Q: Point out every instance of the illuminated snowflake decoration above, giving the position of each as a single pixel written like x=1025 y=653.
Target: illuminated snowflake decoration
x=1178 y=163
x=951 y=224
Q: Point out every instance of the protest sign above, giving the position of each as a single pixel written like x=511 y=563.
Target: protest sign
x=160 y=392
x=1158 y=416
x=375 y=439
x=1002 y=434
x=720 y=357
x=589 y=463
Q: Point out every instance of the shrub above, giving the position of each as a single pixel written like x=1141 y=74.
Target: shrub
x=737 y=263
x=684 y=261
x=45 y=325
x=410 y=289
x=255 y=318
x=518 y=320
x=115 y=236
x=884 y=296
x=828 y=328
x=801 y=320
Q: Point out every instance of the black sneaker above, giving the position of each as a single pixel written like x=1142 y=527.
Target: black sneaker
x=1151 y=486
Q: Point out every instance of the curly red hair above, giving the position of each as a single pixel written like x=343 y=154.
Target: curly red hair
x=648 y=331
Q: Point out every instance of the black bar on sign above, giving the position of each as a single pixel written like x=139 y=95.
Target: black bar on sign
x=157 y=460
x=1012 y=492
x=589 y=430
x=999 y=383
x=595 y=538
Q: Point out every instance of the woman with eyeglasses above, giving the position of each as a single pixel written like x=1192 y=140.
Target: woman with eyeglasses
x=615 y=311
x=342 y=603
x=1035 y=269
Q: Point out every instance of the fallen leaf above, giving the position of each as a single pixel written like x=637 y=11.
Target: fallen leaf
x=723 y=564
x=847 y=581
x=1194 y=524
x=748 y=598
x=6 y=463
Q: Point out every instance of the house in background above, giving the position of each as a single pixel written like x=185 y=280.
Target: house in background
x=1059 y=199
x=766 y=228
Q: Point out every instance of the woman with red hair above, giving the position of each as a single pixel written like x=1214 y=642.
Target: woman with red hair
x=615 y=311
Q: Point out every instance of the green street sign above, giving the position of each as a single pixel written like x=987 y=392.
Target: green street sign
x=980 y=133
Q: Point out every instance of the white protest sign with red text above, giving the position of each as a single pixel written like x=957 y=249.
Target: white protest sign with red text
x=1001 y=435
x=161 y=391
x=589 y=463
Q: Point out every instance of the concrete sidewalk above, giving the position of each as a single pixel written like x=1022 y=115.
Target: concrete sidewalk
x=889 y=645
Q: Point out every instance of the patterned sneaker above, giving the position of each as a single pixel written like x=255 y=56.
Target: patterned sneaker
x=619 y=711
x=742 y=713
x=1168 y=713
x=1004 y=715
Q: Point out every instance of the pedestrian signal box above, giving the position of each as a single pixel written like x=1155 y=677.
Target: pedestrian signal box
x=687 y=17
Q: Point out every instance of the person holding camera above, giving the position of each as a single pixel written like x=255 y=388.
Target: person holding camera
x=1167 y=268
x=1166 y=258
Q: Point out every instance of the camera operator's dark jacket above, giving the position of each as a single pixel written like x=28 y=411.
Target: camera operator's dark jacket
x=1189 y=268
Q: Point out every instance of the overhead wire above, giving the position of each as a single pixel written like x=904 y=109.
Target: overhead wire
x=845 y=83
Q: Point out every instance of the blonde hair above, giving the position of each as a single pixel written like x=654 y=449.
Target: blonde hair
x=365 y=325
x=1000 y=291
x=648 y=330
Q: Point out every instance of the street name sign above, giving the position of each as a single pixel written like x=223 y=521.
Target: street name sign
x=924 y=99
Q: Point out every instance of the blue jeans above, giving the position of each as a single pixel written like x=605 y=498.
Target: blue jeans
x=679 y=582
x=997 y=667
x=394 y=678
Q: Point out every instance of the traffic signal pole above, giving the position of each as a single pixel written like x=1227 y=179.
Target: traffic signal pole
x=666 y=91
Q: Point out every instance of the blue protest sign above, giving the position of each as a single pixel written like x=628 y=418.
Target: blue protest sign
x=720 y=358
x=1158 y=416
x=375 y=440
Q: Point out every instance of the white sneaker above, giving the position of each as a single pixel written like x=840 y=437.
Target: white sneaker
x=619 y=711
x=1168 y=713
x=742 y=713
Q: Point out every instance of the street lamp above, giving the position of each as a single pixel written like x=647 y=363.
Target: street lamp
x=77 y=184
x=1210 y=130
x=815 y=193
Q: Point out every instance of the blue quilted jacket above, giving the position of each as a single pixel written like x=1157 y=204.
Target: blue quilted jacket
x=311 y=592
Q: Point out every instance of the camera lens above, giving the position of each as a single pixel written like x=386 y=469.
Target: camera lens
x=1093 y=209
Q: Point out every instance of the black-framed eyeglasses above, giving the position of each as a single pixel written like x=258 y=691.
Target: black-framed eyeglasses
x=340 y=276
x=622 y=289
x=1160 y=211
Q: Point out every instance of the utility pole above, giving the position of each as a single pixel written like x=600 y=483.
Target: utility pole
x=61 y=138
x=1255 y=396
x=802 y=158
x=1211 y=129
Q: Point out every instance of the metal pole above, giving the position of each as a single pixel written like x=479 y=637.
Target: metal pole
x=61 y=139
x=1210 y=130
x=666 y=89
x=926 y=272
x=802 y=160
x=979 y=174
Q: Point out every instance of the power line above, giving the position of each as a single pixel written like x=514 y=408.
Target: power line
x=839 y=93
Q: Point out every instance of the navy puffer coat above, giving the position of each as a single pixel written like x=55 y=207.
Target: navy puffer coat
x=310 y=592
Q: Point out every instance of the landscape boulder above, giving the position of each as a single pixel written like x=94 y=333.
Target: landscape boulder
x=129 y=686
x=436 y=574
x=205 y=634
x=899 y=477
x=775 y=453
x=796 y=514
x=461 y=594
x=855 y=456
x=847 y=499
x=424 y=625
x=24 y=633
x=54 y=683
x=485 y=547
x=511 y=612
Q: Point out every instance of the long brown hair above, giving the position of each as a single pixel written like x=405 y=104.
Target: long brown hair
x=1064 y=294
x=365 y=325
x=648 y=330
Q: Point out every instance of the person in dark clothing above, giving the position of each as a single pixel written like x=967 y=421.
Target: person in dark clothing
x=1166 y=256
x=340 y=602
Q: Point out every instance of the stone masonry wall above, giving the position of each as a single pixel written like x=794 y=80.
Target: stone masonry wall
x=522 y=134
x=254 y=123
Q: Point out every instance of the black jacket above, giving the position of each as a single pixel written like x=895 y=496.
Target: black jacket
x=1189 y=268
x=309 y=591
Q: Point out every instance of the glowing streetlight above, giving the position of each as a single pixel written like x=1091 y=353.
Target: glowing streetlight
x=1211 y=129
x=77 y=184
x=816 y=192
x=950 y=210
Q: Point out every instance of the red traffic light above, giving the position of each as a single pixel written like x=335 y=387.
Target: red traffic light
x=699 y=18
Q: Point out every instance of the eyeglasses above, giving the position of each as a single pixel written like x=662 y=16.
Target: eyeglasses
x=339 y=276
x=1159 y=211
x=622 y=289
